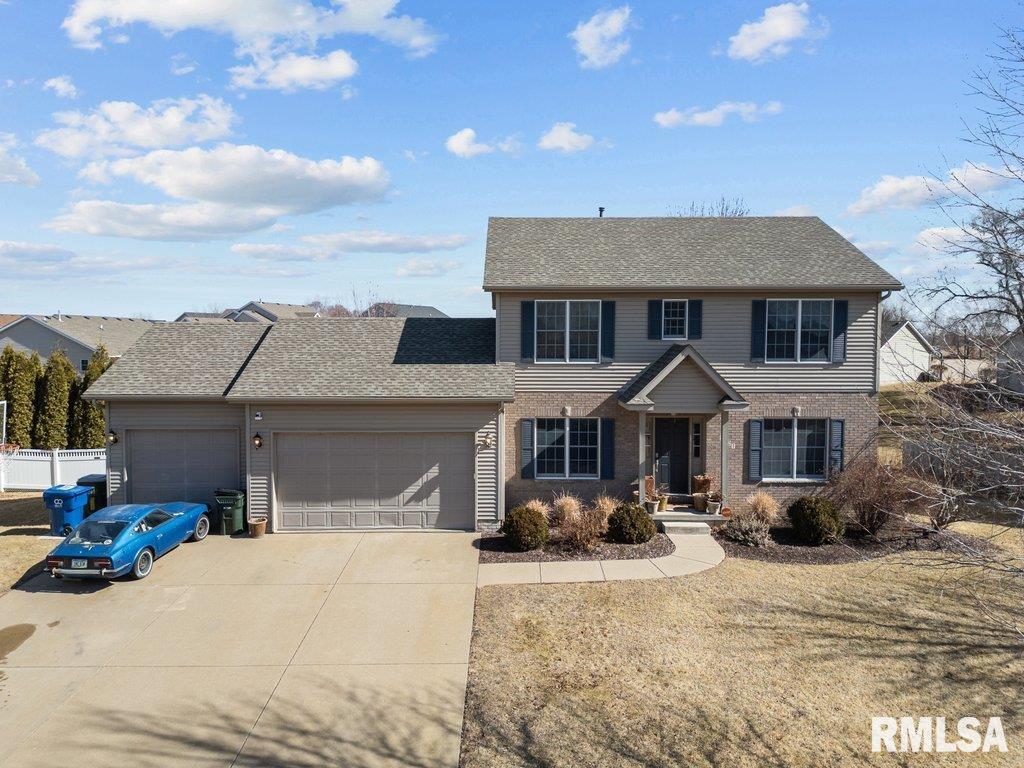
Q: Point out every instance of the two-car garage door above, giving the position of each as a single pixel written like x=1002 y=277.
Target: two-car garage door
x=345 y=480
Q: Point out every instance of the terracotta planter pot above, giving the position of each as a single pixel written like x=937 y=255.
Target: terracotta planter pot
x=662 y=503
x=700 y=501
x=257 y=527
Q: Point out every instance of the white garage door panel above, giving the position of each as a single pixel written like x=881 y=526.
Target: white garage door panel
x=181 y=464
x=333 y=480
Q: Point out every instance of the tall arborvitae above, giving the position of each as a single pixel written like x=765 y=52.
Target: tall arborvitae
x=51 y=427
x=86 y=427
x=8 y=363
x=20 y=391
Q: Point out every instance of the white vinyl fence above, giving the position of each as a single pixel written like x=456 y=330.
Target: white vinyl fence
x=30 y=470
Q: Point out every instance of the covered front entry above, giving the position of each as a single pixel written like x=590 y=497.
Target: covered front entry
x=354 y=480
x=672 y=454
x=180 y=464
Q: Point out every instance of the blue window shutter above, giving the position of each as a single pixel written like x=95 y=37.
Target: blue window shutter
x=695 y=319
x=526 y=311
x=607 y=449
x=608 y=330
x=526 y=450
x=836 y=445
x=758 y=323
x=654 y=319
x=755 y=428
x=840 y=319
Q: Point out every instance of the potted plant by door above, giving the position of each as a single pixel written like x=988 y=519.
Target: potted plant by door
x=714 y=502
x=700 y=502
x=702 y=483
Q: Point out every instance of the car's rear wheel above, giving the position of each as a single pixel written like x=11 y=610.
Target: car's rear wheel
x=202 y=528
x=143 y=564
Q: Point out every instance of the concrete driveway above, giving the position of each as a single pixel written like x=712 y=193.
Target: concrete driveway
x=291 y=650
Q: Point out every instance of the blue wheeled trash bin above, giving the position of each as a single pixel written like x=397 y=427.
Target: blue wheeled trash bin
x=67 y=505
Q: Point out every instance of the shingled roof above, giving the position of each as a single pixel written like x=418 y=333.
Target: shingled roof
x=671 y=252
x=176 y=361
x=115 y=334
x=356 y=358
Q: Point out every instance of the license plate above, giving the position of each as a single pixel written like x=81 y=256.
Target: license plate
x=79 y=562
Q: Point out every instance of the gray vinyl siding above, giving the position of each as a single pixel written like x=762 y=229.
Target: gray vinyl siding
x=686 y=389
x=28 y=336
x=481 y=420
x=725 y=344
x=127 y=416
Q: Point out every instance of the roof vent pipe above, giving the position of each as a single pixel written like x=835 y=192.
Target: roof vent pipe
x=600 y=212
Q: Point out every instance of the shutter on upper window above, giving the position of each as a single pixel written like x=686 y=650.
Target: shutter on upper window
x=758 y=323
x=527 y=310
x=654 y=319
x=695 y=321
x=840 y=320
x=608 y=330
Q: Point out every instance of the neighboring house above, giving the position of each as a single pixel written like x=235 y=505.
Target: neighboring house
x=253 y=312
x=1010 y=365
x=948 y=366
x=620 y=348
x=390 y=309
x=905 y=355
x=78 y=335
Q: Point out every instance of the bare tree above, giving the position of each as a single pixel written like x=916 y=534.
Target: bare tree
x=724 y=206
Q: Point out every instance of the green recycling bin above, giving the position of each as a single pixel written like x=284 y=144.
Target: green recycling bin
x=230 y=511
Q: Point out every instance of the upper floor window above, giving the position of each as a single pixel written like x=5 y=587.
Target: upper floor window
x=798 y=330
x=568 y=331
x=673 y=319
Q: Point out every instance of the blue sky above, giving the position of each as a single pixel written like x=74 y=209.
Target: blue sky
x=157 y=157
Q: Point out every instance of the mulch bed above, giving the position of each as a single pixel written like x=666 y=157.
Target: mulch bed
x=493 y=549
x=785 y=549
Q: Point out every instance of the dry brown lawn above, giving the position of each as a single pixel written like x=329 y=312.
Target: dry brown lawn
x=748 y=664
x=23 y=519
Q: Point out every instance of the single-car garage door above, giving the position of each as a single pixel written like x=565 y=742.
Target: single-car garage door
x=340 y=480
x=180 y=464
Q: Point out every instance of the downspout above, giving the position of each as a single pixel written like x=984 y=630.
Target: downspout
x=878 y=337
x=501 y=463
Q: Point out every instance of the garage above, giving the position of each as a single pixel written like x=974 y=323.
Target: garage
x=359 y=480
x=180 y=464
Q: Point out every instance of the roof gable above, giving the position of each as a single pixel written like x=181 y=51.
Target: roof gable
x=665 y=253
x=641 y=392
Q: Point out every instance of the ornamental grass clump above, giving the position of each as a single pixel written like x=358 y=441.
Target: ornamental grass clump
x=564 y=507
x=582 y=532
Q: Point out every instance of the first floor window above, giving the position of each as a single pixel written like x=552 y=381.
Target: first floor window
x=568 y=448
x=798 y=330
x=795 y=448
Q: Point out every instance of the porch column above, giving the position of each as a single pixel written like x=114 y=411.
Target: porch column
x=725 y=453
x=643 y=459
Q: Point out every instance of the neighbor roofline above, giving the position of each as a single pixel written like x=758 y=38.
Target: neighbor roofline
x=661 y=287
x=250 y=399
x=40 y=323
x=917 y=334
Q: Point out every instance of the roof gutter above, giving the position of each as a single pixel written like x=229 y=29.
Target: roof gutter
x=661 y=288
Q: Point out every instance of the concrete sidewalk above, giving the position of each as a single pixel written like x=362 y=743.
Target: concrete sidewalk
x=320 y=649
x=693 y=553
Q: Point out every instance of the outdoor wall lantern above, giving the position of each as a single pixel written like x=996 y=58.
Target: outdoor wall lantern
x=112 y=437
x=257 y=440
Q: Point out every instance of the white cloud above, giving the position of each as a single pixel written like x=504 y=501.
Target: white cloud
x=254 y=25
x=774 y=34
x=795 y=210
x=191 y=222
x=420 y=267
x=293 y=71
x=44 y=261
x=123 y=127
x=13 y=168
x=464 y=144
x=564 y=137
x=599 y=40
x=250 y=176
x=333 y=245
x=747 y=111
x=62 y=86
x=182 y=64
x=910 y=192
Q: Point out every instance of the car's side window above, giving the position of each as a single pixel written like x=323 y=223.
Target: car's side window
x=154 y=518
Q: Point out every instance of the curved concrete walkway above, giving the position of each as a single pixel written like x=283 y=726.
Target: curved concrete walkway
x=693 y=553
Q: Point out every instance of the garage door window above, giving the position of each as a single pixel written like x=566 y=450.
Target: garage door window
x=568 y=448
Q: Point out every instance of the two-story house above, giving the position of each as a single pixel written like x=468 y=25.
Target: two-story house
x=746 y=348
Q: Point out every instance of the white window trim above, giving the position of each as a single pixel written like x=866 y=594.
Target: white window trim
x=565 y=360
x=792 y=477
x=799 y=319
x=565 y=425
x=685 y=335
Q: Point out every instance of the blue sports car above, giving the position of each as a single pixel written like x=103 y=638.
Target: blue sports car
x=127 y=538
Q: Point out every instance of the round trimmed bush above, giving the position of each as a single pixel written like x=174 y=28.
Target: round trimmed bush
x=525 y=528
x=630 y=524
x=815 y=520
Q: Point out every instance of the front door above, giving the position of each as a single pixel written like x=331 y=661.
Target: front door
x=672 y=454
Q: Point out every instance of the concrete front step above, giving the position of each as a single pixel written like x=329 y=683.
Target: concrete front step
x=687 y=516
x=689 y=529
